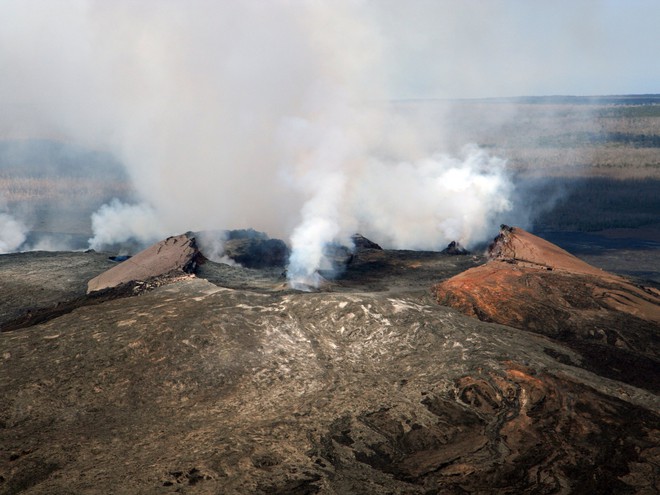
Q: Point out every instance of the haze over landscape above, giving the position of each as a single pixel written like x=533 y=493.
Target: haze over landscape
x=282 y=116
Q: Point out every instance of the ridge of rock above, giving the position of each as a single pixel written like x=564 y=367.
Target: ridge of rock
x=516 y=245
x=531 y=284
x=176 y=255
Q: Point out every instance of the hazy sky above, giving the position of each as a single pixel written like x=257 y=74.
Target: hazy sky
x=425 y=48
x=482 y=48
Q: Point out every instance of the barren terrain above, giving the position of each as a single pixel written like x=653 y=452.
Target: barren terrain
x=212 y=378
x=229 y=382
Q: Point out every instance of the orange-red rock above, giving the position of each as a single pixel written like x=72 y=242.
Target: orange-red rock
x=532 y=284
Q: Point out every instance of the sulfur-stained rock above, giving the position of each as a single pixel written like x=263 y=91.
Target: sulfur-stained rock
x=173 y=256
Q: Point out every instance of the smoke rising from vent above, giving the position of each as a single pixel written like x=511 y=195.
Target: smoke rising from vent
x=12 y=233
x=271 y=115
x=212 y=245
x=117 y=223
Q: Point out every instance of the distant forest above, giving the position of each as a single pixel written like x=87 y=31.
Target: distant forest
x=648 y=99
x=602 y=138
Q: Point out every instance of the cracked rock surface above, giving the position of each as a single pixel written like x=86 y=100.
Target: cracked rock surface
x=365 y=386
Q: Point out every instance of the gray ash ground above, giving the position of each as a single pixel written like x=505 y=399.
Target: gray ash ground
x=229 y=382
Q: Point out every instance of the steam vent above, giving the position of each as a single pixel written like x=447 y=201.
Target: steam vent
x=527 y=371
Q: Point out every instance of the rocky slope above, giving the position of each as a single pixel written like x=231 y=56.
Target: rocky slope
x=534 y=285
x=175 y=256
x=236 y=385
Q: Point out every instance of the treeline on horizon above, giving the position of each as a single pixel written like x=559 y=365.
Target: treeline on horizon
x=601 y=138
x=647 y=99
x=641 y=99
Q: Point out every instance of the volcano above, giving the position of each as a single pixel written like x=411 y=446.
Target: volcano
x=221 y=379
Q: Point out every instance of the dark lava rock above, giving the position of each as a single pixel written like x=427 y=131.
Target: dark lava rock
x=119 y=258
x=455 y=248
x=248 y=247
x=174 y=256
x=33 y=283
x=534 y=285
x=367 y=387
x=361 y=242
x=200 y=389
x=257 y=253
x=339 y=257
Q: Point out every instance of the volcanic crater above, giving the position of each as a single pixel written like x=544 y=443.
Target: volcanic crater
x=522 y=371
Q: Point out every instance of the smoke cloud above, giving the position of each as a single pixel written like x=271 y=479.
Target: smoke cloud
x=117 y=223
x=12 y=233
x=271 y=115
x=212 y=245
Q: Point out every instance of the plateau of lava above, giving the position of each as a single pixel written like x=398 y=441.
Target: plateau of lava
x=536 y=373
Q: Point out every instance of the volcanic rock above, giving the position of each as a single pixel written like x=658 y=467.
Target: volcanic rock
x=454 y=248
x=254 y=249
x=200 y=389
x=119 y=258
x=361 y=242
x=367 y=387
x=36 y=283
x=534 y=285
x=338 y=256
x=174 y=256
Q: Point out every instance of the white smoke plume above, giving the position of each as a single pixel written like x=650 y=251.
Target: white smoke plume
x=269 y=115
x=430 y=202
x=212 y=245
x=116 y=223
x=12 y=233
